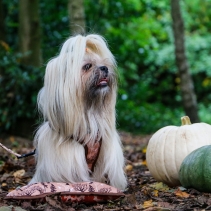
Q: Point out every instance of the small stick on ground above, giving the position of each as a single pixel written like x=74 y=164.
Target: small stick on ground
x=10 y=151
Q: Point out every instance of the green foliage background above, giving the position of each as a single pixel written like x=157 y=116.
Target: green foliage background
x=140 y=36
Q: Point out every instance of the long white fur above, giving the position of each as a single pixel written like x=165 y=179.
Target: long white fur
x=60 y=157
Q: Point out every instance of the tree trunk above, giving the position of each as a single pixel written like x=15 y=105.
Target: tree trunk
x=2 y=22
x=186 y=83
x=29 y=32
x=76 y=16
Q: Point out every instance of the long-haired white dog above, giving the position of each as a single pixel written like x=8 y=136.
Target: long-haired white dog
x=78 y=140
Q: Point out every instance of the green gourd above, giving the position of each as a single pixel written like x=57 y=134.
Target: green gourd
x=195 y=171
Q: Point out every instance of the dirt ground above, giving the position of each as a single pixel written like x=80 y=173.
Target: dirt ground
x=143 y=192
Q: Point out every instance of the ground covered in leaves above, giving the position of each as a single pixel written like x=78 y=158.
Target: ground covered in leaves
x=143 y=192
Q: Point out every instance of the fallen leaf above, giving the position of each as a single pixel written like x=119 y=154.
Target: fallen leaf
x=159 y=186
x=182 y=188
x=19 y=173
x=166 y=205
x=181 y=194
x=138 y=206
x=144 y=150
x=11 y=208
x=137 y=164
x=148 y=204
x=202 y=200
x=4 y=184
x=144 y=162
x=130 y=198
x=155 y=193
x=129 y=167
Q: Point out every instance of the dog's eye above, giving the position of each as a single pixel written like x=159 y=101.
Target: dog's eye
x=87 y=66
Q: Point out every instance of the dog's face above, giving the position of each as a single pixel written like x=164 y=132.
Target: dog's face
x=98 y=77
x=79 y=82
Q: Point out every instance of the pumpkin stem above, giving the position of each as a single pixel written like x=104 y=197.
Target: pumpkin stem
x=185 y=120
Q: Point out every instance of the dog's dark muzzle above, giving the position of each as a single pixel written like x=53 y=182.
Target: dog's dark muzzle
x=103 y=76
x=104 y=69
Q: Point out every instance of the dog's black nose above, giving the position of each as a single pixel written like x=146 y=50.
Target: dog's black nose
x=104 y=69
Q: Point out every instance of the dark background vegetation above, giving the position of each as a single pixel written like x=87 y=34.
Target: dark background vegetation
x=139 y=34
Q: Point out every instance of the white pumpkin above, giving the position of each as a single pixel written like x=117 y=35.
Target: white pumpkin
x=168 y=147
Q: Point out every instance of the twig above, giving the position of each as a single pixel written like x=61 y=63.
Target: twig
x=16 y=154
x=10 y=151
